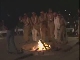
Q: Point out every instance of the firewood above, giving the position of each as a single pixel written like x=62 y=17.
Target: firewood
x=43 y=44
x=36 y=49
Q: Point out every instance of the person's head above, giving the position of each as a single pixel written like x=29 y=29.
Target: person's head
x=50 y=10
x=33 y=14
x=59 y=15
x=25 y=15
x=42 y=13
x=55 y=14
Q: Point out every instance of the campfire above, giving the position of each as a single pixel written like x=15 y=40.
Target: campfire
x=41 y=46
x=38 y=48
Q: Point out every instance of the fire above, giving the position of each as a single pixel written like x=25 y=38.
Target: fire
x=41 y=46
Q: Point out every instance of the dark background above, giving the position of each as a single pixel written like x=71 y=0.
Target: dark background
x=19 y=7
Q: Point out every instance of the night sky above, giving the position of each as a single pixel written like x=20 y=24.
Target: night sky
x=19 y=7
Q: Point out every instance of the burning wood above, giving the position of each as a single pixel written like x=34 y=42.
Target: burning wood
x=44 y=44
x=41 y=46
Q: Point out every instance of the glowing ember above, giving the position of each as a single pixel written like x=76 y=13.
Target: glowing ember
x=41 y=47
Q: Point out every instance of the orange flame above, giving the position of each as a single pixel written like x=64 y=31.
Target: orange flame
x=41 y=47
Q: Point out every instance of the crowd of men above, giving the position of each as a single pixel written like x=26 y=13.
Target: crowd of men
x=49 y=26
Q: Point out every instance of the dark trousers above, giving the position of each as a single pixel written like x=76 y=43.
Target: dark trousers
x=10 y=40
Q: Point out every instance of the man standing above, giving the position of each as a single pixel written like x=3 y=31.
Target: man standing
x=26 y=28
x=57 y=26
x=42 y=21
x=10 y=23
x=62 y=31
x=56 y=43
x=50 y=24
x=34 y=20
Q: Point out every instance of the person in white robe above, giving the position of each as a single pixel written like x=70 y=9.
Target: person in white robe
x=50 y=25
x=34 y=20
x=57 y=25
x=26 y=29
x=62 y=32
x=43 y=25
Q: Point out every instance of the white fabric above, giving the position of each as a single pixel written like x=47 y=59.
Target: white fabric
x=5 y=31
x=56 y=22
x=57 y=26
x=34 y=34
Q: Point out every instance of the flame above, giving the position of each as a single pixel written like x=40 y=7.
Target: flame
x=41 y=47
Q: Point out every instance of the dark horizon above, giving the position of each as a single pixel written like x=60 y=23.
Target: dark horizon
x=20 y=7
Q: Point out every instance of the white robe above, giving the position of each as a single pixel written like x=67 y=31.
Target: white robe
x=34 y=30
x=57 y=26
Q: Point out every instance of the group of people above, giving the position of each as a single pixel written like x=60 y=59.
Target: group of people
x=49 y=26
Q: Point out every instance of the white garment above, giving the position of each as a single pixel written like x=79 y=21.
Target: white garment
x=57 y=26
x=34 y=34
x=56 y=22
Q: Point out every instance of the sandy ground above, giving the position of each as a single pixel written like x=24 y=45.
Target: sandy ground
x=72 y=54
